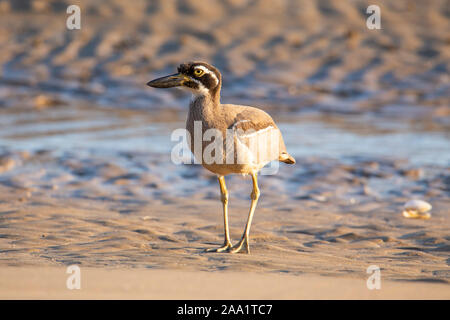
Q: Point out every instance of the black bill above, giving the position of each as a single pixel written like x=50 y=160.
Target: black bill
x=174 y=80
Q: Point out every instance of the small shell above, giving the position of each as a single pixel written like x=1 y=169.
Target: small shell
x=418 y=205
x=417 y=209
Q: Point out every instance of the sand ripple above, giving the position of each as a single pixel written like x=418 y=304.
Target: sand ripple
x=312 y=218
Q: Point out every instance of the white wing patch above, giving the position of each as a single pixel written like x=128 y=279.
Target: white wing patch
x=256 y=148
x=259 y=132
x=237 y=123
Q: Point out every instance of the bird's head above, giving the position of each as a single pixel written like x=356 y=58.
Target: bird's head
x=199 y=77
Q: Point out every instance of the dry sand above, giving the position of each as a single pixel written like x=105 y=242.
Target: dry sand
x=50 y=283
x=135 y=217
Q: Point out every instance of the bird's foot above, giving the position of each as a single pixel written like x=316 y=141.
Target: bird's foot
x=226 y=246
x=237 y=248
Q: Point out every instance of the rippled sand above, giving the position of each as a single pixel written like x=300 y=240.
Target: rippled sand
x=140 y=210
x=293 y=54
x=85 y=170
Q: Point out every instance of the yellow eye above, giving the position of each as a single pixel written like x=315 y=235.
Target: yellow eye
x=198 y=72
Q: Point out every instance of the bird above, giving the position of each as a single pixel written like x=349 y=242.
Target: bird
x=237 y=130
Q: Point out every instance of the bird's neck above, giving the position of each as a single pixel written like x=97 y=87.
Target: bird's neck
x=205 y=102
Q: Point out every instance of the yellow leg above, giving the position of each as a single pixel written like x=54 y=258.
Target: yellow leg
x=224 y=197
x=245 y=237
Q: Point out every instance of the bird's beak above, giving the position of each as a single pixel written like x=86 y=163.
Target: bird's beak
x=174 y=80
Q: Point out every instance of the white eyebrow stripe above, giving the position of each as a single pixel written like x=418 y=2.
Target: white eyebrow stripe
x=203 y=68
x=206 y=70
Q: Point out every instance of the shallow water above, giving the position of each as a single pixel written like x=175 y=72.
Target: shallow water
x=322 y=140
x=337 y=137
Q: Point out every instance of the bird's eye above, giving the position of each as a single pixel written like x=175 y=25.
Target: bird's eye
x=198 y=72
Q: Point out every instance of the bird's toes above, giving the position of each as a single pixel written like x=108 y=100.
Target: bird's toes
x=237 y=249
x=223 y=248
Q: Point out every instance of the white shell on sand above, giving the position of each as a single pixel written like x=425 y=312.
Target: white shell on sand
x=417 y=209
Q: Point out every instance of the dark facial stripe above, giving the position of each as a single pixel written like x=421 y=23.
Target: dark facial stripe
x=207 y=80
x=192 y=85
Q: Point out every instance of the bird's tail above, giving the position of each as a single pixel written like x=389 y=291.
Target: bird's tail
x=286 y=158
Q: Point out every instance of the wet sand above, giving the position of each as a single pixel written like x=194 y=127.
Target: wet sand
x=86 y=176
x=140 y=210
x=290 y=55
